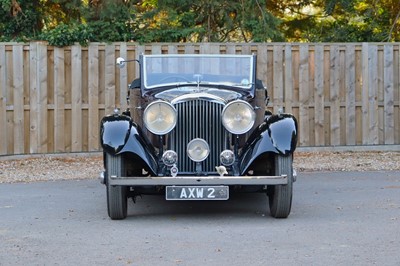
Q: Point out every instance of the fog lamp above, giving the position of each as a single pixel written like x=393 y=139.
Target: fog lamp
x=169 y=158
x=227 y=157
x=198 y=150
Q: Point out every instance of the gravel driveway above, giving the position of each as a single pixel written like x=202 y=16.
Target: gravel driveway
x=89 y=165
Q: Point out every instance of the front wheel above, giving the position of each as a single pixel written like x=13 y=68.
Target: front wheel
x=280 y=196
x=116 y=195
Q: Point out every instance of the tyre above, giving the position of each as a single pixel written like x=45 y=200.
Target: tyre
x=116 y=195
x=280 y=196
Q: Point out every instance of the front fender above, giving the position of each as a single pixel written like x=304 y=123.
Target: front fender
x=277 y=134
x=114 y=132
x=119 y=134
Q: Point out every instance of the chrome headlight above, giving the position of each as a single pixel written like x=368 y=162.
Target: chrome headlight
x=159 y=117
x=198 y=150
x=238 y=117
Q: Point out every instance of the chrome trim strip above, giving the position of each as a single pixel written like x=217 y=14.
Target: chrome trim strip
x=198 y=96
x=199 y=180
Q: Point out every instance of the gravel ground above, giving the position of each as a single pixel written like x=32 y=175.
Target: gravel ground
x=88 y=166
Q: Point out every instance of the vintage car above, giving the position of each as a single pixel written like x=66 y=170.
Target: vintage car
x=197 y=129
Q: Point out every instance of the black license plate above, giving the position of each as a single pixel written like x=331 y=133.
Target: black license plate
x=197 y=193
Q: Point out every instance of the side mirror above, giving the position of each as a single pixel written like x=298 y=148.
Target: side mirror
x=120 y=62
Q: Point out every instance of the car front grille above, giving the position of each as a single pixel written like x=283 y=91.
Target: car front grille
x=198 y=119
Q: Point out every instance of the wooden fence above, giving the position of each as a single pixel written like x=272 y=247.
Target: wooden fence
x=52 y=99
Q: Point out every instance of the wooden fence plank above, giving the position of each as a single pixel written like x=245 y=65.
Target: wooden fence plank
x=3 y=100
x=156 y=49
x=380 y=95
x=123 y=77
x=358 y=87
x=246 y=49
x=388 y=95
x=334 y=95
x=36 y=77
x=350 y=83
x=372 y=94
x=269 y=74
x=34 y=99
x=295 y=81
x=93 y=98
x=59 y=100
x=364 y=94
x=319 y=99
x=189 y=49
x=18 y=101
x=109 y=80
x=304 y=96
x=76 y=98
x=288 y=72
x=42 y=87
x=140 y=49
x=311 y=86
x=278 y=78
x=173 y=68
x=262 y=59
x=10 y=100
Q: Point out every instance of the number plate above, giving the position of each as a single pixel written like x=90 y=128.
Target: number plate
x=197 y=193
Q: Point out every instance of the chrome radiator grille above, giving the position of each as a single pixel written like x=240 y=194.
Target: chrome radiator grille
x=198 y=119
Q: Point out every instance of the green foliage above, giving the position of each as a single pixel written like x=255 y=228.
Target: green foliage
x=107 y=31
x=345 y=21
x=16 y=25
x=64 y=22
x=64 y=35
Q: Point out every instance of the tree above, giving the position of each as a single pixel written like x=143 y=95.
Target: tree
x=340 y=20
x=63 y=22
x=19 y=20
x=212 y=21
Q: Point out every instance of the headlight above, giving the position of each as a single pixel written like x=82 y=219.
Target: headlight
x=238 y=117
x=159 y=117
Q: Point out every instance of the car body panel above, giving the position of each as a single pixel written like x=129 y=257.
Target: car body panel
x=278 y=134
x=120 y=135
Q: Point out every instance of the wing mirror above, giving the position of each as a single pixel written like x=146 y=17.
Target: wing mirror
x=120 y=62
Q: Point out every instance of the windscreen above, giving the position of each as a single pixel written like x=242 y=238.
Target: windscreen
x=180 y=70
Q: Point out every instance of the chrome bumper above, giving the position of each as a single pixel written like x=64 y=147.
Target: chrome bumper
x=196 y=180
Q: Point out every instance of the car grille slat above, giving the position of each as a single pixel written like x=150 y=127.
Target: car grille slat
x=198 y=119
